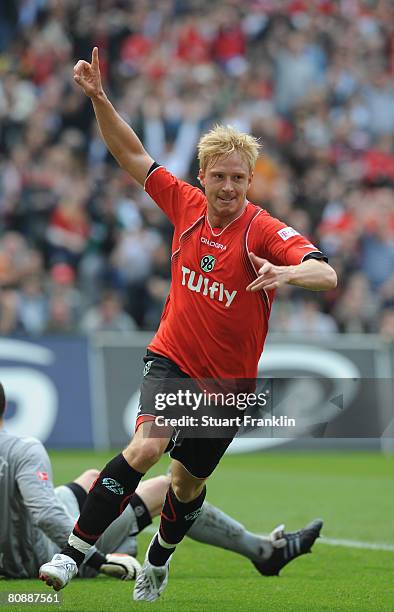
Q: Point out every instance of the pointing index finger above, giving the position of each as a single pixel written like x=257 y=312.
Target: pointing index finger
x=95 y=59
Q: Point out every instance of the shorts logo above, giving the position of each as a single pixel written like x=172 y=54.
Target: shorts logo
x=113 y=486
x=193 y=515
x=207 y=263
x=287 y=232
x=147 y=367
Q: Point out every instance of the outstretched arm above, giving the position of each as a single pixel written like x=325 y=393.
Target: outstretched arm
x=120 y=139
x=312 y=274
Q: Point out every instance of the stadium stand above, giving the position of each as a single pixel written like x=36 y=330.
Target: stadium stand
x=83 y=248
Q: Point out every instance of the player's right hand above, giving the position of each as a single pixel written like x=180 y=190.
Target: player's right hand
x=87 y=76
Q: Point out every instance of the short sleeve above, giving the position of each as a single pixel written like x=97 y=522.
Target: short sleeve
x=279 y=243
x=177 y=199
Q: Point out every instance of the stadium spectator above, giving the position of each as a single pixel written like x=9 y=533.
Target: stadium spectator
x=68 y=228
x=386 y=324
x=60 y=315
x=32 y=306
x=307 y=319
x=107 y=316
x=356 y=309
x=8 y=312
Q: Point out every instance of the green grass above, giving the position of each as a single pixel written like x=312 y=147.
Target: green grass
x=353 y=492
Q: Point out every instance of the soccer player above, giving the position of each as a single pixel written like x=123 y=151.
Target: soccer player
x=229 y=256
x=36 y=517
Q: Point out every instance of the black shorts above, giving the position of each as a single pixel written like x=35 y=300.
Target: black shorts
x=199 y=455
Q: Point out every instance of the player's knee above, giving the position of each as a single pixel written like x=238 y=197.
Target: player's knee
x=92 y=474
x=87 y=478
x=144 y=455
x=188 y=490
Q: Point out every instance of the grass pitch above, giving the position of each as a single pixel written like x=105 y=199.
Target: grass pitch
x=352 y=492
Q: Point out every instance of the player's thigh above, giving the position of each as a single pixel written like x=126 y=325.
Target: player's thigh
x=162 y=378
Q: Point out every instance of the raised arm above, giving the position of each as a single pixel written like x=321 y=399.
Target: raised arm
x=120 y=139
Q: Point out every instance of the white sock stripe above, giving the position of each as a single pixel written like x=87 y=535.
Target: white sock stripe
x=163 y=543
x=79 y=544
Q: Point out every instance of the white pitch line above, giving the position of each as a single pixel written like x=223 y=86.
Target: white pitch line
x=329 y=542
x=356 y=544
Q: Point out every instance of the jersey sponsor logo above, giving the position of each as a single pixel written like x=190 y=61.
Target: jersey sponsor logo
x=113 y=485
x=287 y=232
x=206 y=287
x=42 y=476
x=211 y=243
x=207 y=263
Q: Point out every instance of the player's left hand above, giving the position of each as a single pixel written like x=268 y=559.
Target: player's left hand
x=269 y=276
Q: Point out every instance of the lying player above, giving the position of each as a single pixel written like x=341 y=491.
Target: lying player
x=35 y=517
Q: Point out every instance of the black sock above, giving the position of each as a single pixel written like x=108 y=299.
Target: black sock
x=75 y=554
x=176 y=519
x=158 y=555
x=96 y=560
x=142 y=514
x=108 y=497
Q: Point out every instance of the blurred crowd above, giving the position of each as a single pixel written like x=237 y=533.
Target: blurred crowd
x=83 y=248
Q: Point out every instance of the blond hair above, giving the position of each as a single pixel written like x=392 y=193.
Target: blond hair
x=223 y=140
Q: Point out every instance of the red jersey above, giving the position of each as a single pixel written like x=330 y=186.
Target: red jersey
x=211 y=327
